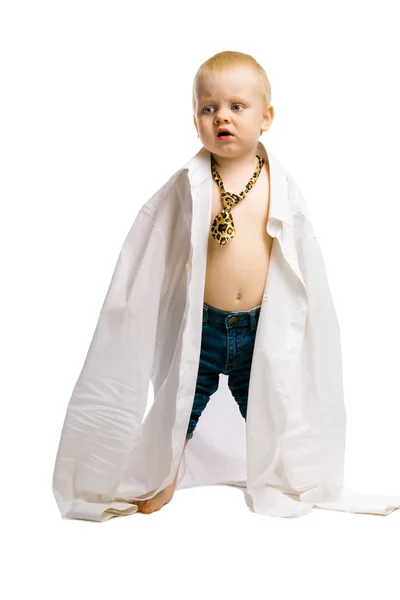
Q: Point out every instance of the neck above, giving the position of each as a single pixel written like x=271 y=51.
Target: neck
x=229 y=164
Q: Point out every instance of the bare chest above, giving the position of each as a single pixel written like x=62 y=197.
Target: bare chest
x=241 y=264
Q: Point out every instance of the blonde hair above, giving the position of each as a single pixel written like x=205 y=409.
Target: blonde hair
x=229 y=59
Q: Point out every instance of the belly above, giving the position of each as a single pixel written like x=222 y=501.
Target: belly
x=236 y=274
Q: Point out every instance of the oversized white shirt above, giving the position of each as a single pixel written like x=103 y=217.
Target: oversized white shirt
x=290 y=452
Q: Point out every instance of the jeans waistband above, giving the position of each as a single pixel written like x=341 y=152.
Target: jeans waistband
x=228 y=319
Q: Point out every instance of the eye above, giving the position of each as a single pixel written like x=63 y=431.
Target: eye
x=207 y=107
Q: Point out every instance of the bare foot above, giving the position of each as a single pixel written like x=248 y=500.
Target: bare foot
x=163 y=497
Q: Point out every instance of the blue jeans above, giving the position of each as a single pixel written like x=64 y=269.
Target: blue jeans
x=227 y=345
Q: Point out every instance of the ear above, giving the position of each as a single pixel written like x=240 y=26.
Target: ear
x=269 y=115
x=195 y=123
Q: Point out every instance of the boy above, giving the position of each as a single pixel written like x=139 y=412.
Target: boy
x=206 y=242
x=235 y=97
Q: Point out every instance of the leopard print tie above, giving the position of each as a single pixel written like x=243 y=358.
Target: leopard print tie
x=223 y=228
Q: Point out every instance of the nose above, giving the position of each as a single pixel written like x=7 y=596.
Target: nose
x=220 y=115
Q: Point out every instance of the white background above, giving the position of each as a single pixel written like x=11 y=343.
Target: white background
x=95 y=115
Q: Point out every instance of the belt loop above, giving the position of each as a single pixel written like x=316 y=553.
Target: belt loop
x=252 y=319
x=205 y=314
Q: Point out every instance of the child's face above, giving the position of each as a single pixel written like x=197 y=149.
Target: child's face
x=231 y=99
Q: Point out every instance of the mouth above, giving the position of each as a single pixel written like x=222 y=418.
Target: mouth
x=224 y=135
